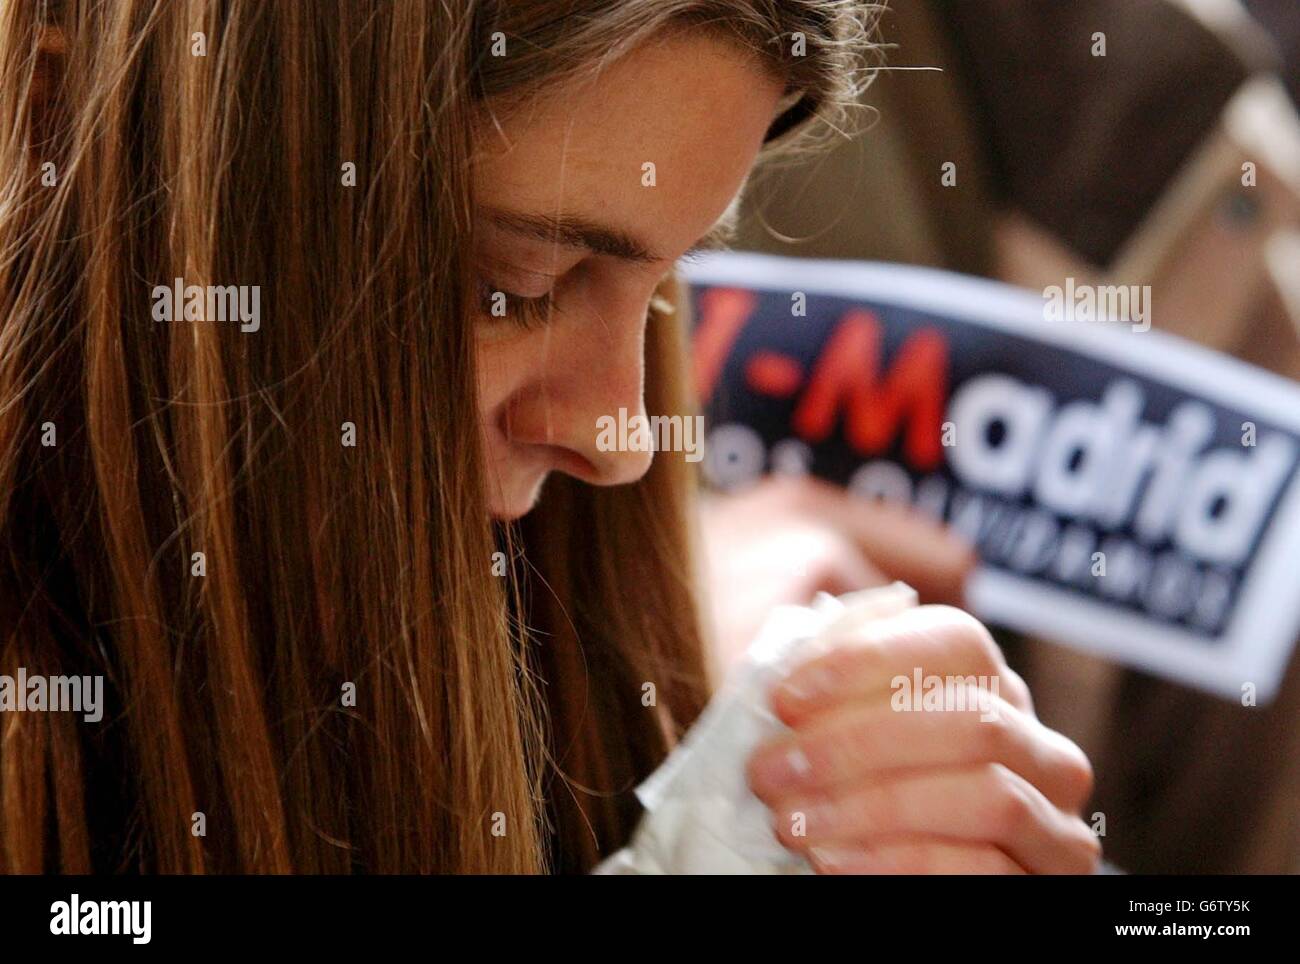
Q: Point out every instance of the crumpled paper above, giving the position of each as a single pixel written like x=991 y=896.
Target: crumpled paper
x=701 y=817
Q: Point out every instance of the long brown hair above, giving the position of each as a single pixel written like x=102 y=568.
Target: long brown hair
x=147 y=140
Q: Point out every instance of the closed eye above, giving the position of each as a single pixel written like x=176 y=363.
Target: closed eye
x=523 y=311
x=700 y=251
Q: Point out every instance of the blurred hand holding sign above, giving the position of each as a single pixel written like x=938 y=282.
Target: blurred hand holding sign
x=1128 y=493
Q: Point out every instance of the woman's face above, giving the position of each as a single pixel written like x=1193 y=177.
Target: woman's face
x=571 y=223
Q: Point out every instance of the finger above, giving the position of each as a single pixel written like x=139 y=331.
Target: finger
x=839 y=570
x=902 y=542
x=922 y=855
x=837 y=750
x=789 y=563
x=986 y=804
x=936 y=640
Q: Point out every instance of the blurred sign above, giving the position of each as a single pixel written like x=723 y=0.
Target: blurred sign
x=1128 y=493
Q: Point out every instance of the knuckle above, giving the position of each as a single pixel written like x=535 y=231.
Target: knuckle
x=1011 y=803
x=1079 y=772
x=967 y=635
x=995 y=735
x=1017 y=689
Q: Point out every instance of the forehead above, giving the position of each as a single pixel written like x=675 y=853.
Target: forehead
x=662 y=137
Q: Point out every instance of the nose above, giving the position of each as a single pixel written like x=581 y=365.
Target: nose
x=590 y=401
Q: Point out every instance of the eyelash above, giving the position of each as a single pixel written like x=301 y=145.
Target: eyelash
x=526 y=313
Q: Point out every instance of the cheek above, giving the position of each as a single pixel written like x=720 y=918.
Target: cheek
x=502 y=367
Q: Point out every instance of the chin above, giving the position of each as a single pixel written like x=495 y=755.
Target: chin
x=517 y=500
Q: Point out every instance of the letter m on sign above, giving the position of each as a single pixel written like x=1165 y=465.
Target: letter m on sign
x=846 y=381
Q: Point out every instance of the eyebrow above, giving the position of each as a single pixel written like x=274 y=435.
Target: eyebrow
x=579 y=232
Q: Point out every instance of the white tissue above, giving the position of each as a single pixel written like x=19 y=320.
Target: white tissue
x=701 y=817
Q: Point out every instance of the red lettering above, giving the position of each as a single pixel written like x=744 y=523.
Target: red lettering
x=846 y=380
x=723 y=313
x=774 y=374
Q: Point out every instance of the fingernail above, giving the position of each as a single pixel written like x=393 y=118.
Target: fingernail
x=853 y=860
x=815 y=818
x=783 y=768
x=836 y=858
x=809 y=685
